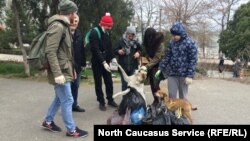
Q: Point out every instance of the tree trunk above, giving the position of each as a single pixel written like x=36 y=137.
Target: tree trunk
x=19 y=36
x=53 y=7
x=45 y=15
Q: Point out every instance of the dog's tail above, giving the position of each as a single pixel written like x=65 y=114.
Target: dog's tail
x=121 y=93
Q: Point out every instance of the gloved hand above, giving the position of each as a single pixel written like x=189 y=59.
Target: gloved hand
x=60 y=79
x=114 y=61
x=106 y=66
x=188 y=80
x=157 y=74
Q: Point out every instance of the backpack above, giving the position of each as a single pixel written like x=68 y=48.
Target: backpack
x=86 y=40
x=37 y=58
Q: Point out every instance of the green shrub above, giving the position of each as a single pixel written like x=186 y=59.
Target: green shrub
x=11 y=68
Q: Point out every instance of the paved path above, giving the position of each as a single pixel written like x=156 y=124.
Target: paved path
x=25 y=102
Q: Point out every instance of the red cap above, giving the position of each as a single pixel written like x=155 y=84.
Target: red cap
x=106 y=20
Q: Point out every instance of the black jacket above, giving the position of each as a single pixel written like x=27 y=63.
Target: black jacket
x=101 y=48
x=79 y=51
x=127 y=61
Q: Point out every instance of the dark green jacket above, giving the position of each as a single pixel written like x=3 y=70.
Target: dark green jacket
x=59 y=54
x=154 y=62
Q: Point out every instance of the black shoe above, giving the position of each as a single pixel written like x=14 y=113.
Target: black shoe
x=102 y=107
x=77 y=133
x=78 y=109
x=112 y=104
x=52 y=127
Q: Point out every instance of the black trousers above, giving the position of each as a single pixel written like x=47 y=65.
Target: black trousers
x=154 y=83
x=74 y=89
x=99 y=72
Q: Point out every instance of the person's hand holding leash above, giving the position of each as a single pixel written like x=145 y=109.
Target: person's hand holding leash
x=188 y=80
x=106 y=66
x=60 y=79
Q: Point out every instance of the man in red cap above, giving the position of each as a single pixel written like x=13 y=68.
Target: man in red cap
x=102 y=55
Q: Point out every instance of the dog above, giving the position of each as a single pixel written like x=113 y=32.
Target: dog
x=135 y=81
x=183 y=106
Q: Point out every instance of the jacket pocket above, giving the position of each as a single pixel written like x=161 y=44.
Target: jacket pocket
x=64 y=64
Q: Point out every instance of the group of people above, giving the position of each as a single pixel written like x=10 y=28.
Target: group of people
x=236 y=67
x=66 y=56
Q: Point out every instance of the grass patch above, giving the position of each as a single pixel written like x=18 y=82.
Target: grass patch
x=87 y=76
x=16 y=70
x=7 y=68
x=12 y=70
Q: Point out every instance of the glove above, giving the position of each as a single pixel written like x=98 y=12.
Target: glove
x=60 y=79
x=114 y=61
x=106 y=66
x=188 y=80
x=157 y=74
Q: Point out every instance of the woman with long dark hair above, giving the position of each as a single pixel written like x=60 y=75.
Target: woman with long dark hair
x=153 y=43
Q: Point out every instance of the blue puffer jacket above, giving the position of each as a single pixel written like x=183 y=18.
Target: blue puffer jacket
x=181 y=57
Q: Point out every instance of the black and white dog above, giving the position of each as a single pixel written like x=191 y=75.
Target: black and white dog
x=135 y=81
x=133 y=96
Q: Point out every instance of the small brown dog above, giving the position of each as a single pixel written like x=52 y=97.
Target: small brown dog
x=182 y=105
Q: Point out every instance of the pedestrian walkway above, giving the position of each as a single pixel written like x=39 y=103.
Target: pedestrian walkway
x=24 y=104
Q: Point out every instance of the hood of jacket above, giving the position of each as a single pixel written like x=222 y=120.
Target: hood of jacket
x=59 y=17
x=178 y=29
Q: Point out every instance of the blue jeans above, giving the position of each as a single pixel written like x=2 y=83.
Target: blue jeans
x=74 y=89
x=63 y=98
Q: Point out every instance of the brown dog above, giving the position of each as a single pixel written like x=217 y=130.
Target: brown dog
x=172 y=104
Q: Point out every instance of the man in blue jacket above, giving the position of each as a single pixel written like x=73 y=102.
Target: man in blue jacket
x=179 y=62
